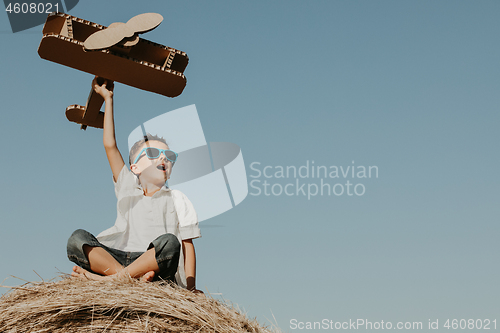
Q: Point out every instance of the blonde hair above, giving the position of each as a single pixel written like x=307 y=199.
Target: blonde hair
x=135 y=148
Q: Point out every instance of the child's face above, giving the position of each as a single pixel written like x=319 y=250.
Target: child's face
x=155 y=171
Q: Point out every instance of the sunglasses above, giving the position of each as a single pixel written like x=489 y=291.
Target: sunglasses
x=153 y=153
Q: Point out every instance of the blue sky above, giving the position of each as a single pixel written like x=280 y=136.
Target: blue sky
x=408 y=86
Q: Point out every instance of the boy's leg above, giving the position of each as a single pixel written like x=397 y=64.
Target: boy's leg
x=144 y=267
x=162 y=258
x=86 y=251
x=101 y=262
x=167 y=253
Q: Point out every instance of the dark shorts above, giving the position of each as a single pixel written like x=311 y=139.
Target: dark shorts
x=167 y=252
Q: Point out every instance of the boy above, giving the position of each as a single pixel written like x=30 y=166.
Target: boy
x=150 y=217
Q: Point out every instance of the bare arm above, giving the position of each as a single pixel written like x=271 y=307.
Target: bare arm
x=115 y=159
x=190 y=264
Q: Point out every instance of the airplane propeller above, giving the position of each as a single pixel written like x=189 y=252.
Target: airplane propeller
x=119 y=31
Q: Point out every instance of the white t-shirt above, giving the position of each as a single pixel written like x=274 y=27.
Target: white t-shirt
x=141 y=219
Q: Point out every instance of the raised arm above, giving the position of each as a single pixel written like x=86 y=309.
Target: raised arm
x=115 y=159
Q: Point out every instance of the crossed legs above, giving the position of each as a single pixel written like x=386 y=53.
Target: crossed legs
x=95 y=262
x=103 y=263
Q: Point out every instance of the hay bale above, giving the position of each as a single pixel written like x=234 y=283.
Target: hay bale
x=126 y=305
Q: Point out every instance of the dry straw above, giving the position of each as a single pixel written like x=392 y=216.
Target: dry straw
x=125 y=305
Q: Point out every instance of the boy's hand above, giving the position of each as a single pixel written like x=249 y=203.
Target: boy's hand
x=196 y=291
x=103 y=87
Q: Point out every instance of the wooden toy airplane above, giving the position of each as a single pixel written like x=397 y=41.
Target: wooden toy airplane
x=115 y=53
